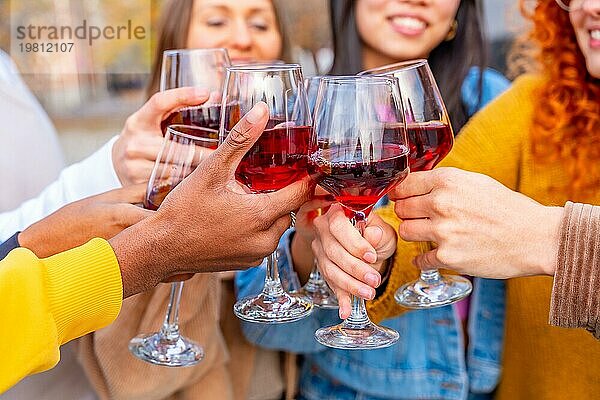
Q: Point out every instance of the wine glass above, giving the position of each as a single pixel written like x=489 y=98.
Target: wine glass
x=431 y=138
x=180 y=68
x=362 y=153
x=316 y=289
x=183 y=148
x=203 y=68
x=277 y=159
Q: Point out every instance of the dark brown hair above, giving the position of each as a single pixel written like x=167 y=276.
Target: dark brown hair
x=450 y=61
x=173 y=27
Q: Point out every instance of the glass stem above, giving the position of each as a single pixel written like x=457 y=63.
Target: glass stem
x=273 y=286
x=430 y=276
x=170 y=328
x=315 y=275
x=358 y=318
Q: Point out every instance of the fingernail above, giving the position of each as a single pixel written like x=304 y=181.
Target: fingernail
x=256 y=113
x=370 y=257
x=372 y=279
x=366 y=293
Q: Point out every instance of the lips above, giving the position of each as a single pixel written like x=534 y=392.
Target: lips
x=408 y=25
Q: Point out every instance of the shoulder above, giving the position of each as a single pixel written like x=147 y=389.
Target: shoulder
x=527 y=84
x=509 y=112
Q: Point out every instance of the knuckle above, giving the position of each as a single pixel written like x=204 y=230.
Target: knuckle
x=130 y=151
x=355 y=269
x=319 y=223
x=440 y=203
x=156 y=101
x=404 y=230
x=330 y=252
x=444 y=230
x=130 y=123
x=446 y=177
x=445 y=257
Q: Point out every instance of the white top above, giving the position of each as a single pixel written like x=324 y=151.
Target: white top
x=31 y=161
x=31 y=158
x=91 y=176
x=30 y=154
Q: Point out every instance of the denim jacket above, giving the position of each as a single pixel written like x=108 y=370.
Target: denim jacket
x=428 y=362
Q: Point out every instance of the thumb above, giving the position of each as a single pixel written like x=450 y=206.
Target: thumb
x=290 y=198
x=373 y=234
x=241 y=138
x=428 y=260
x=162 y=104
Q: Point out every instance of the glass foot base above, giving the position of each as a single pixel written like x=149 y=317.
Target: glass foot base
x=267 y=309
x=156 y=349
x=369 y=336
x=421 y=295
x=320 y=295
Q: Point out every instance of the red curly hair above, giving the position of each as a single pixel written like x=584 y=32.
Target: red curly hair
x=566 y=122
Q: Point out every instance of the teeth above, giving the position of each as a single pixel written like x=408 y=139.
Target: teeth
x=595 y=34
x=409 y=22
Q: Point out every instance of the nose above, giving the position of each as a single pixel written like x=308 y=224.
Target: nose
x=242 y=37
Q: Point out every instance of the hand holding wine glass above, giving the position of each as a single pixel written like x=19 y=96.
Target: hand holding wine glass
x=352 y=264
x=278 y=159
x=191 y=241
x=135 y=150
x=431 y=139
x=361 y=154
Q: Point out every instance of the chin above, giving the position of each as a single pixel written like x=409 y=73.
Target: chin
x=405 y=50
x=593 y=67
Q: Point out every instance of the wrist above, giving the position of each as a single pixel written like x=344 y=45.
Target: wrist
x=549 y=238
x=30 y=239
x=138 y=251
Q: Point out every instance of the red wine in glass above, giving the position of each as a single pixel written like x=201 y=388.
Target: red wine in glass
x=160 y=188
x=203 y=116
x=359 y=185
x=156 y=195
x=278 y=159
x=429 y=143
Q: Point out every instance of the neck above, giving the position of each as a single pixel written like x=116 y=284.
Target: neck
x=374 y=59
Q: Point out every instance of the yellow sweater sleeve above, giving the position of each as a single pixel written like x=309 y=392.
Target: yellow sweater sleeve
x=48 y=302
x=490 y=143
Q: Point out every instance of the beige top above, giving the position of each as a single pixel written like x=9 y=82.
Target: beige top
x=117 y=375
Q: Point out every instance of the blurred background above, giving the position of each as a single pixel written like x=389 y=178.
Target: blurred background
x=87 y=109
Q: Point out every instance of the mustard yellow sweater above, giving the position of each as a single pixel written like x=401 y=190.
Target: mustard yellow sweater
x=46 y=303
x=540 y=362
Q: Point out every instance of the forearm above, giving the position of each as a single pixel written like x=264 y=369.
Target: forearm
x=576 y=287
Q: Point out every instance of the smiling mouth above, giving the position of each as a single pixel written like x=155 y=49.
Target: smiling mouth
x=408 y=25
x=595 y=34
